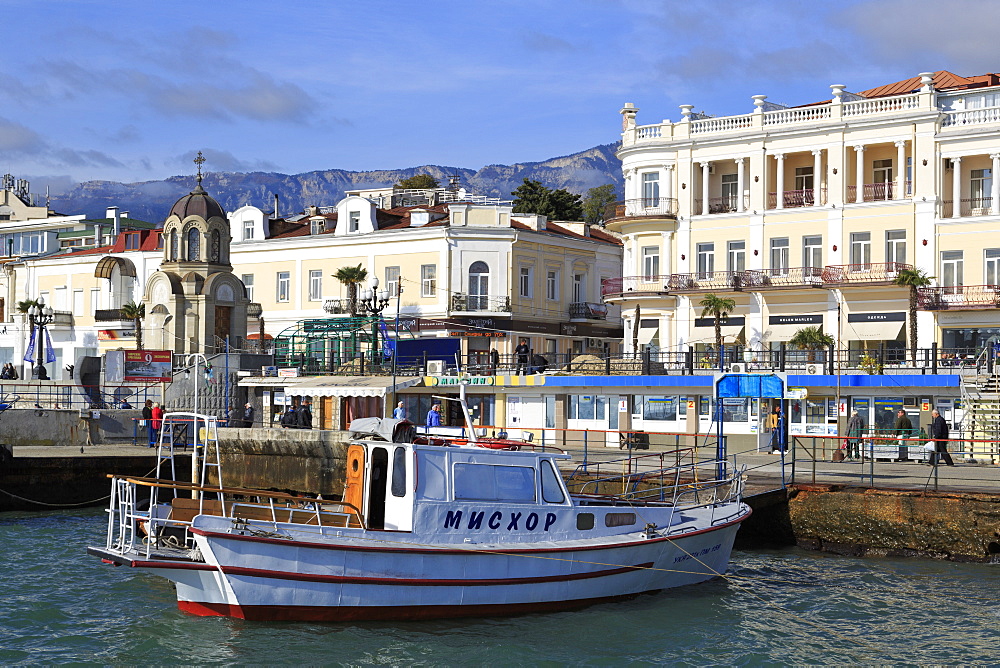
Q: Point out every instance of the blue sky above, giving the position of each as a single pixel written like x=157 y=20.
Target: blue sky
x=130 y=91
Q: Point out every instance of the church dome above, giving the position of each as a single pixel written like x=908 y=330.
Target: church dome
x=197 y=203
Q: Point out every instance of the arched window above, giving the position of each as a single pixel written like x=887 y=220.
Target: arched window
x=479 y=286
x=173 y=245
x=193 y=245
x=215 y=247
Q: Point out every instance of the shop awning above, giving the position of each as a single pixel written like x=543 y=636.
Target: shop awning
x=351 y=386
x=873 y=326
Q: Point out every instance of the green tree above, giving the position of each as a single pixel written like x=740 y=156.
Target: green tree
x=718 y=308
x=418 y=182
x=533 y=197
x=596 y=201
x=352 y=277
x=811 y=339
x=135 y=313
x=913 y=279
x=23 y=306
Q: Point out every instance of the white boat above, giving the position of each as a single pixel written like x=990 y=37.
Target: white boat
x=425 y=531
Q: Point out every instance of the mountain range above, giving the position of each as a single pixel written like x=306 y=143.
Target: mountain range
x=151 y=200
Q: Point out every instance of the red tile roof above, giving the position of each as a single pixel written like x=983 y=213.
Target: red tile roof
x=942 y=80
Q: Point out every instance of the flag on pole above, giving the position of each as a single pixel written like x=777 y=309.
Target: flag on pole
x=50 y=352
x=388 y=345
x=29 y=354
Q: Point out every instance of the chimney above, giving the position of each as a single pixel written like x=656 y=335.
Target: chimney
x=276 y=206
x=534 y=221
x=125 y=214
x=116 y=221
x=313 y=210
x=97 y=235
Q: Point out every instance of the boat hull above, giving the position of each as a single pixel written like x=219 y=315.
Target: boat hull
x=330 y=581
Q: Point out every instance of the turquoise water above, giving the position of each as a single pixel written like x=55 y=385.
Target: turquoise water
x=778 y=607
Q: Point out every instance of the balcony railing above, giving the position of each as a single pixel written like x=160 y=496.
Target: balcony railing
x=491 y=303
x=976 y=206
x=653 y=207
x=635 y=285
x=707 y=281
x=588 y=311
x=778 y=279
x=865 y=273
x=876 y=192
x=108 y=314
x=958 y=297
x=722 y=205
x=792 y=199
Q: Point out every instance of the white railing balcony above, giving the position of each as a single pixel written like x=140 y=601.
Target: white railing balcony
x=724 y=124
x=881 y=105
x=971 y=117
x=797 y=115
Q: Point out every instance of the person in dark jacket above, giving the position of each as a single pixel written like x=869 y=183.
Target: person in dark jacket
x=939 y=432
x=855 y=430
x=903 y=429
x=147 y=418
x=290 y=419
x=523 y=352
x=247 y=416
x=538 y=364
x=305 y=415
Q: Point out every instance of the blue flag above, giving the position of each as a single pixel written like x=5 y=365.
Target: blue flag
x=29 y=354
x=388 y=345
x=50 y=352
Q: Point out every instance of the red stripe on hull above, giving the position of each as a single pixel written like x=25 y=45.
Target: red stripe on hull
x=399 y=582
x=293 y=613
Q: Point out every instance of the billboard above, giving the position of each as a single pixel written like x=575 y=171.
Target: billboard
x=148 y=366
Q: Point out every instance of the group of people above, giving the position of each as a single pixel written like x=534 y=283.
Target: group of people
x=903 y=429
x=8 y=372
x=152 y=419
x=297 y=417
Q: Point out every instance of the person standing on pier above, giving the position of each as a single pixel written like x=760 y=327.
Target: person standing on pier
x=399 y=413
x=434 y=416
x=155 y=423
x=305 y=415
x=147 y=417
x=855 y=430
x=904 y=430
x=523 y=353
x=939 y=432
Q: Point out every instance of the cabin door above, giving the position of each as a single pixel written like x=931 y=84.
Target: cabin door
x=354 y=487
x=378 y=471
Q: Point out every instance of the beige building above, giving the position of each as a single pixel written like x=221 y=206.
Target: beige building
x=807 y=213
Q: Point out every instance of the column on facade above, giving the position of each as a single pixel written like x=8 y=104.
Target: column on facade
x=956 y=187
x=859 y=173
x=995 y=184
x=780 y=185
x=901 y=176
x=817 y=178
x=668 y=182
x=740 y=184
x=705 y=166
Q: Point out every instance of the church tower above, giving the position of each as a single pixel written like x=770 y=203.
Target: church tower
x=195 y=301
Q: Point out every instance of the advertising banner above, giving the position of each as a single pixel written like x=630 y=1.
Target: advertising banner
x=148 y=366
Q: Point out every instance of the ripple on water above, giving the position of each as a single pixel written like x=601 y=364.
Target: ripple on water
x=783 y=606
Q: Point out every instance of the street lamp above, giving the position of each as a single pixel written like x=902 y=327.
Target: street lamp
x=374 y=302
x=39 y=315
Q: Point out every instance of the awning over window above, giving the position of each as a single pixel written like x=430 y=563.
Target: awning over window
x=873 y=326
x=108 y=263
x=335 y=386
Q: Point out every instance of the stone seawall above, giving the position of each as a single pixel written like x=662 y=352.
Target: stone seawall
x=308 y=461
x=47 y=426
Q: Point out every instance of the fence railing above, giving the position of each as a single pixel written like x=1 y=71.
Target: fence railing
x=958 y=297
x=791 y=199
x=654 y=207
x=50 y=395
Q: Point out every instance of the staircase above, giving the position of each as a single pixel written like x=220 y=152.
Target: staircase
x=981 y=419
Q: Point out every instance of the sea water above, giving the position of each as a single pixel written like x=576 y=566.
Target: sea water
x=59 y=605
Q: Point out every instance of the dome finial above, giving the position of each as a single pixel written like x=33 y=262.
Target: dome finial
x=200 y=160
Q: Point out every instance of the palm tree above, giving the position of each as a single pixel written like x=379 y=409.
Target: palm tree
x=352 y=277
x=135 y=313
x=913 y=279
x=22 y=307
x=811 y=339
x=718 y=308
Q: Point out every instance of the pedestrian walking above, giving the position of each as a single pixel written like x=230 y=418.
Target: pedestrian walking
x=155 y=423
x=289 y=420
x=494 y=361
x=399 y=412
x=247 y=415
x=147 y=418
x=855 y=430
x=904 y=430
x=939 y=432
x=434 y=416
x=523 y=353
x=305 y=416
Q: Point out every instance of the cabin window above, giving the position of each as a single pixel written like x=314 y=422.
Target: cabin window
x=398 y=486
x=585 y=521
x=487 y=482
x=619 y=519
x=551 y=489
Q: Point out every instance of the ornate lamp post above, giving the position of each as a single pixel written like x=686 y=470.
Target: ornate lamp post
x=39 y=316
x=374 y=302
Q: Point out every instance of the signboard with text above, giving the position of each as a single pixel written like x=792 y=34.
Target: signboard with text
x=148 y=366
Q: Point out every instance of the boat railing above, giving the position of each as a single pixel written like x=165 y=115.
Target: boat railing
x=680 y=484
x=165 y=524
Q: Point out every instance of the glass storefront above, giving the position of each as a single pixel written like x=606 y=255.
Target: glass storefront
x=968 y=338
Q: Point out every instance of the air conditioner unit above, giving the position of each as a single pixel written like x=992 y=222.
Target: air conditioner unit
x=594 y=343
x=435 y=367
x=814 y=369
x=738 y=368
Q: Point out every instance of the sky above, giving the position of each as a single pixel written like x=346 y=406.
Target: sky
x=130 y=91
